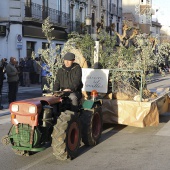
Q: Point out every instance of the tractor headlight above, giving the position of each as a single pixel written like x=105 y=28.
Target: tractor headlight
x=14 y=108
x=32 y=109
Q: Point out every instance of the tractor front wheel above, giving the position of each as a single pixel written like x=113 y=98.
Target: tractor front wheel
x=66 y=136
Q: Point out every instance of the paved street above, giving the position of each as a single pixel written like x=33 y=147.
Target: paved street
x=121 y=147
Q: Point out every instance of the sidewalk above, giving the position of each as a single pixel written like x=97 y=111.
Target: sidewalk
x=155 y=76
x=4 y=112
x=23 y=93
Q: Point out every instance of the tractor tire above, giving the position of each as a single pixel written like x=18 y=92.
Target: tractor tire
x=92 y=124
x=66 y=136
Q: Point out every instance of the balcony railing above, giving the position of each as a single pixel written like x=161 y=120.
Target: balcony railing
x=77 y=26
x=39 y=13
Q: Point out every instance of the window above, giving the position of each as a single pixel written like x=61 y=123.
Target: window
x=59 y=7
x=45 y=3
x=71 y=16
x=101 y=2
x=45 y=45
x=28 y=8
x=81 y=14
x=28 y=2
x=45 y=9
x=93 y=19
x=60 y=48
x=30 y=48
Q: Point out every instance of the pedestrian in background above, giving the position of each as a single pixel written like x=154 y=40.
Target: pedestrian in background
x=37 y=67
x=45 y=73
x=21 y=66
x=1 y=75
x=4 y=62
x=12 y=79
x=26 y=71
x=32 y=70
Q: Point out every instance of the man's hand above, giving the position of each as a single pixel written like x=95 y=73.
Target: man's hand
x=67 y=90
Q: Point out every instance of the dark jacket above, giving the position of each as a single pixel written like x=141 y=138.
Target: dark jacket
x=1 y=74
x=69 y=78
x=27 y=65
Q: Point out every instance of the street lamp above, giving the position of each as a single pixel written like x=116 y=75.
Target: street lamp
x=88 y=24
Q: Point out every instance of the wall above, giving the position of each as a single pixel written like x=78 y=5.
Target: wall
x=4 y=9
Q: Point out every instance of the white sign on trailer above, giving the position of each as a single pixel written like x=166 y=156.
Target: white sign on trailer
x=95 y=79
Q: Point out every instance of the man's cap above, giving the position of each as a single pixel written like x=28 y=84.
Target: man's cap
x=69 y=56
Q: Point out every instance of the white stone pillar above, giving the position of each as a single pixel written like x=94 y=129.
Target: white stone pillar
x=96 y=54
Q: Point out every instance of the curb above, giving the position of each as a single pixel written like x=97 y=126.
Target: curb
x=4 y=112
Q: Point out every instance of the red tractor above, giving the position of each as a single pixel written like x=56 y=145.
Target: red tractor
x=41 y=122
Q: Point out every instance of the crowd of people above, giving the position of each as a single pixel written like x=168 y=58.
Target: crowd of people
x=34 y=71
x=24 y=72
x=29 y=71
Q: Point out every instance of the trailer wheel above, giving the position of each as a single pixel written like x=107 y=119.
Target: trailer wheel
x=66 y=136
x=92 y=122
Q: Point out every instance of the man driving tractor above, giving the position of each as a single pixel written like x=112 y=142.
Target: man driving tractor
x=68 y=79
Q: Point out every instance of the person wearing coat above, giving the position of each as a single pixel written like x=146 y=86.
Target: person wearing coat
x=68 y=79
x=12 y=79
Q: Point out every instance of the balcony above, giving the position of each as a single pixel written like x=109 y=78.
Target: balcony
x=37 y=13
x=77 y=27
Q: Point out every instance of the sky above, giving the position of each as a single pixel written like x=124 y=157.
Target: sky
x=163 y=13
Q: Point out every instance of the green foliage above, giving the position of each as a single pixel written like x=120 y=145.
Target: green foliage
x=84 y=43
x=50 y=55
x=163 y=52
x=122 y=58
x=164 y=49
x=144 y=54
x=107 y=48
x=47 y=29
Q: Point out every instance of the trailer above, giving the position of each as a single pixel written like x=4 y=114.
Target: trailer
x=124 y=104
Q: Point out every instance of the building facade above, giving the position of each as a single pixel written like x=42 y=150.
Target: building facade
x=115 y=14
x=104 y=12
x=21 y=22
x=139 y=13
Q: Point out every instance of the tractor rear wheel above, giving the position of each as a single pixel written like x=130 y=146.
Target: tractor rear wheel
x=92 y=122
x=66 y=136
